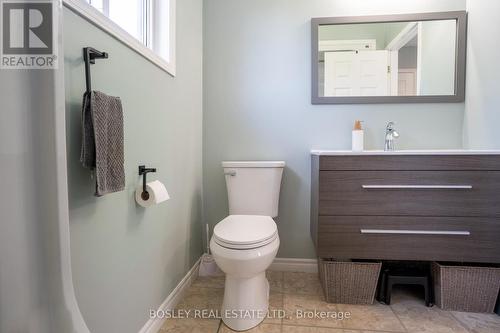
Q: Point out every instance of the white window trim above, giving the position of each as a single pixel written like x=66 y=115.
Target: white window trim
x=95 y=17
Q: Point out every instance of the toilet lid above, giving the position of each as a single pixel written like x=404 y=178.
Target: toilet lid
x=245 y=231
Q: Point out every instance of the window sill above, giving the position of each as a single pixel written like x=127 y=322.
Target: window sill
x=99 y=20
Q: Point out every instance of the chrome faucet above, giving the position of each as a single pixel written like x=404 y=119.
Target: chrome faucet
x=390 y=135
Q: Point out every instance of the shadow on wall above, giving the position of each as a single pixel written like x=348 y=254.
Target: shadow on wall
x=291 y=206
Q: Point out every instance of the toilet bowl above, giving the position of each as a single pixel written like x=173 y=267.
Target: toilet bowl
x=244 y=254
x=245 y=243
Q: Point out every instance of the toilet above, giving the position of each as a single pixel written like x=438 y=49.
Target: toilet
x=245 y=243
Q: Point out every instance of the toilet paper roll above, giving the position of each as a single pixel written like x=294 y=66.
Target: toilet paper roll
x=156 y=193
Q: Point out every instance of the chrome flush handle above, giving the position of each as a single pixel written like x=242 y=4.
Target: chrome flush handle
x=231 y=173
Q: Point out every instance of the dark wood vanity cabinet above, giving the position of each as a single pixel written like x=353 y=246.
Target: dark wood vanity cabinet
x=406 y=207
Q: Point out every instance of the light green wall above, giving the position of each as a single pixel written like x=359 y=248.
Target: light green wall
x=482 y=105
x=354 y=31
x=383 y=33
x=392 y=30
x=257 y=101
x=407 y=57
x=437 y=64
x=126 y=259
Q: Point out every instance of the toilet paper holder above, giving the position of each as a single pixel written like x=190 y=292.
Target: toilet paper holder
x=143 y=171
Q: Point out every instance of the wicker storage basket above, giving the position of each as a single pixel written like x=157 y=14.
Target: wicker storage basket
x=466 y=288
x=497 y=308
x=349 y=282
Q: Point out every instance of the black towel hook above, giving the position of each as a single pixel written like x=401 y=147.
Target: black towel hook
x=89 y=56
x=143 y=171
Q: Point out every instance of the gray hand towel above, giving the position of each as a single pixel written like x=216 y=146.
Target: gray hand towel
x=102 y=141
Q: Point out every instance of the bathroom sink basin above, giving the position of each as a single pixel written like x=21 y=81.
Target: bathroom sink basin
x=404 y=152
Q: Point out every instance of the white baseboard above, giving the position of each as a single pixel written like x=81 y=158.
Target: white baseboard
x=154 y=325
x=294 y=265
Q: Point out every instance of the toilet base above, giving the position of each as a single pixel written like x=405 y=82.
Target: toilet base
x=246 y=301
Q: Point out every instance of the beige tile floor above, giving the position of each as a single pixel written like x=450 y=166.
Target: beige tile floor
x=292 y=291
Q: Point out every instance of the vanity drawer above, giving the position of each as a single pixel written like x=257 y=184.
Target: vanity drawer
x=409 y=238
x=409 y=193
x=410 y=162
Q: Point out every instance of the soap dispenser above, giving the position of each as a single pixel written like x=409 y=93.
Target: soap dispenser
x=358 y=136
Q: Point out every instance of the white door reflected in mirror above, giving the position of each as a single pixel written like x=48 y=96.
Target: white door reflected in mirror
x=356 y=73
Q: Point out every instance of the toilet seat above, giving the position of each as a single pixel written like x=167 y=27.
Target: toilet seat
x=242 y=232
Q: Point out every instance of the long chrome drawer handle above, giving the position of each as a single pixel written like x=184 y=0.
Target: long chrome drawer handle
x=414 y=232
x=445 y=187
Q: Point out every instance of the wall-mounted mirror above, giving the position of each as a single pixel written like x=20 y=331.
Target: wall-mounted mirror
x=411 y=58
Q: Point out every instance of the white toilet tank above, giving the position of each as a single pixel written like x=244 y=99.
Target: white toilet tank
x=253 y=188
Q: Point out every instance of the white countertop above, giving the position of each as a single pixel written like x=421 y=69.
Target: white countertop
x=320 y=152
